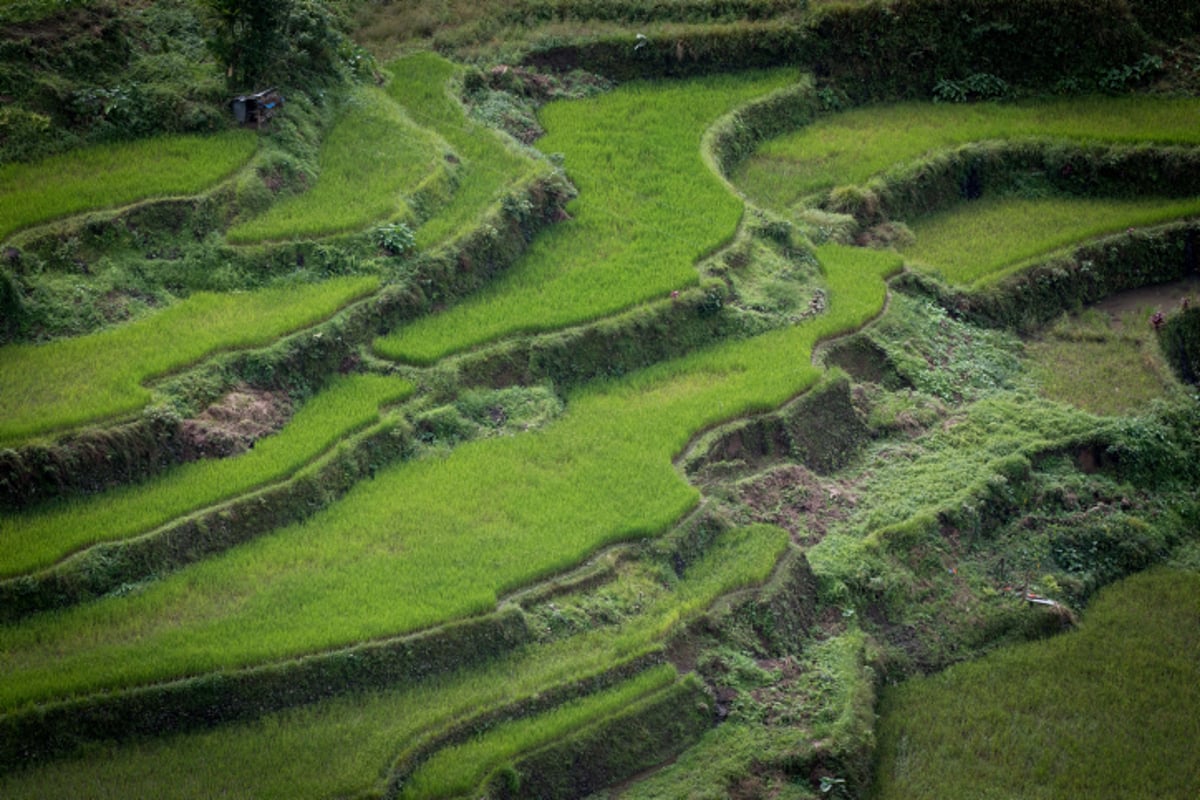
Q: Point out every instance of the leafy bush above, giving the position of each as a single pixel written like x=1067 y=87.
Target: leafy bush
x=1179 y=338
x=980 y=86
x=904 y=48
x=396 y=238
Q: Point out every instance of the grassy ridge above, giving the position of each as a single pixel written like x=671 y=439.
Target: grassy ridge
x=1106 y=711
x=461 y=770
x=974 y=244
x=72 y=382
x=370 y=160
x=394 y=556
x=112 y=175
x=421 y=83
x=649 y=207
x=848 y=148
x=39 y=538
x=337 y=748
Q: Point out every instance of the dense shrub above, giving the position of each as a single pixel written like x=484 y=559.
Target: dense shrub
x=1179 y=337
x=685 y=51
x=907 y=47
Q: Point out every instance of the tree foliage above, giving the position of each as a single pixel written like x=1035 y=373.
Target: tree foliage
x=246 y=35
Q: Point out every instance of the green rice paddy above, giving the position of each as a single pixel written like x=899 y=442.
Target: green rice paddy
x=649 y=207
x=40 y=537
x=370 y=161
x=71 y=382
x=394 y=557
x=113 y=175
x=974 y=244
x=1106 y=711
x=340 y=746
x=461 y=770
x=850 y=147
x=448 y=535
x=421 y=83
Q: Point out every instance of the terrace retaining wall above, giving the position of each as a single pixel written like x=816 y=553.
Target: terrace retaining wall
x=46 y=731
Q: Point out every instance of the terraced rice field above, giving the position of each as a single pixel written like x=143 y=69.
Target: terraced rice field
x=630 y=240
x=967 y=729
x=448 y=537
x=852 y=147
x=371 y=160
x=87 y=379
x=108 y=176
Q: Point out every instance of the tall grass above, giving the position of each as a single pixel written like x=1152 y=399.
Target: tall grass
x=461 y=770
x=112 y=175
x=421 y=83
x=439 y=539
x=850 y=147
x=39 y=538
x=369 y=161
x=649 y=207
x=953 y=463
x=1109 y=711
x=339 y=747
x=1104 y=365
x=71 y=382
x=974 y=244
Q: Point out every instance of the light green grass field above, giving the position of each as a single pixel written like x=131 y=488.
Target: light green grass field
x=372 y=158
x=422 y=83
x=113 y=175
x=70 y=382
x=974 y=244
x=850 y=147
x=395 y=556
x=340 y=747
x=41 y=537
x=649 y=207
x=1107 y=711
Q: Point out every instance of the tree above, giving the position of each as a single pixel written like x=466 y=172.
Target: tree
x=248 y=37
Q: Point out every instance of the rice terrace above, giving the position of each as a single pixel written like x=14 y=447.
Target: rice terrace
x=599 y=399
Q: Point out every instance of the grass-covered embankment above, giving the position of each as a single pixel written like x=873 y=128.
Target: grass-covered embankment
x=42 y=536
x=649 y=207
x=112 y=175
x=72 y=382
x=1107 y=711
x=462 y=770
x=851 y=147
x=393 y=556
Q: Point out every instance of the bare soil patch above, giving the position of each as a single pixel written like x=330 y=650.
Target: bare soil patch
x=234 y=423
x=797 y=500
